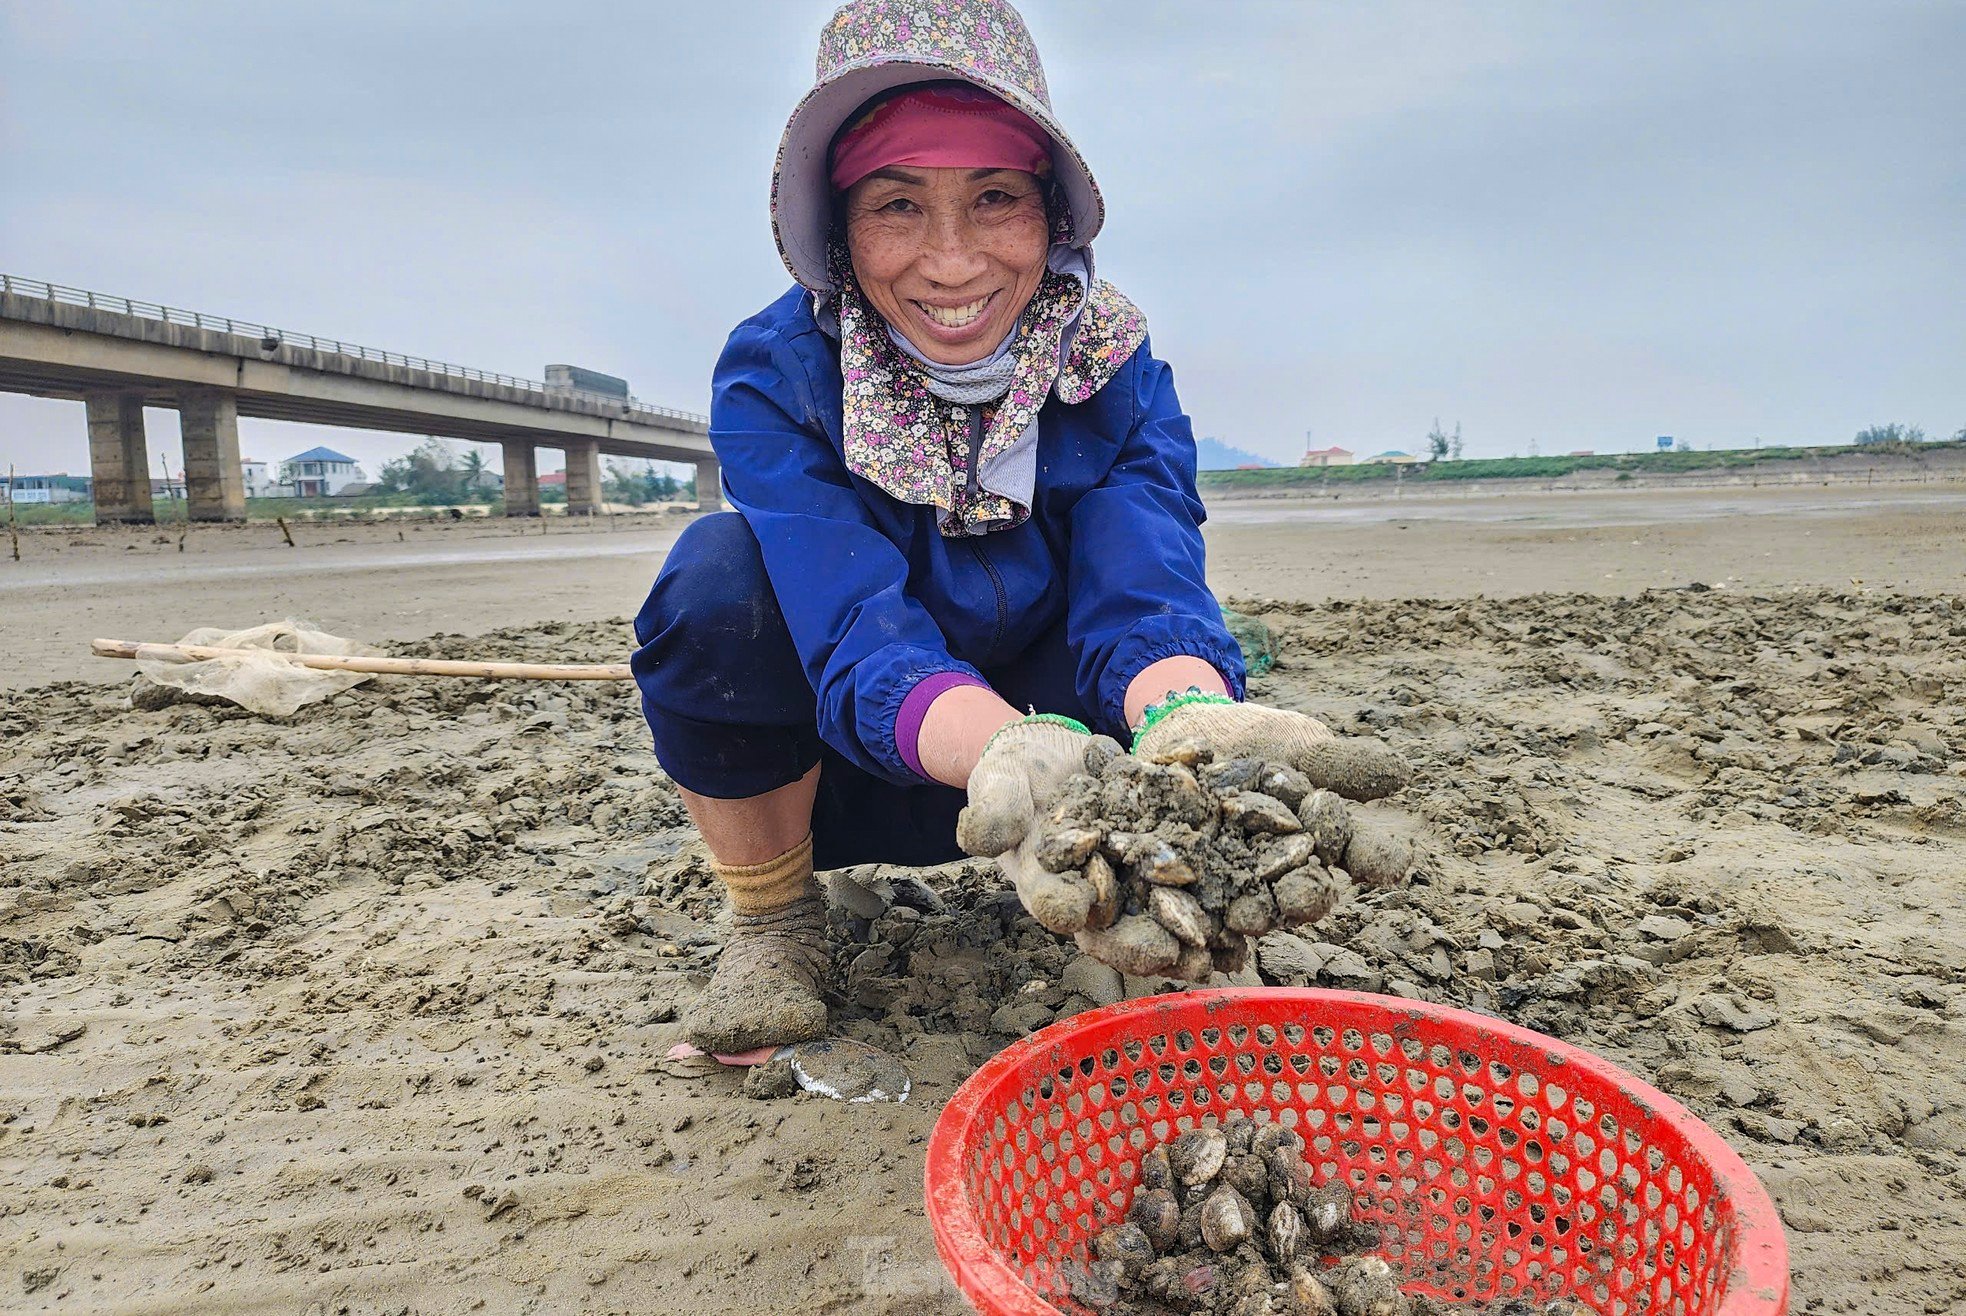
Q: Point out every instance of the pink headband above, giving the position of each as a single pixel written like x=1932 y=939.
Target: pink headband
x=943 y=125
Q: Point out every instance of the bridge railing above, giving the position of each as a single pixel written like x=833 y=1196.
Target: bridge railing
x=55 y=292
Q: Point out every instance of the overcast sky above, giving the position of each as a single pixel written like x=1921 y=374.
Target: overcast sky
x=1561 y=224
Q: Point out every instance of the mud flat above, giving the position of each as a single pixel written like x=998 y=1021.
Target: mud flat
x=367 y=1010
x=405 y=582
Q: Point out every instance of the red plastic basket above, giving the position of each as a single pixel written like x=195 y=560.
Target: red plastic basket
x=1497 y=1162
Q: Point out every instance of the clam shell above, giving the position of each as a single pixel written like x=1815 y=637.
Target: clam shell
x=1305 y=895
x=1227 y=1220
x=1247 y=1174
x=1281 y=854
x=1197 y=1156
x=1290 y=1176
x=1158 y=1215
x=1308 y=1296
x=1162 y=865
x=1155 y=1170
x=1060 y=901
x=1180 y=913
x=1127 y=1244
x=1190 y=752
x=1286 y=1231
x=1283 y=783
x=1327 y=1211
x=1135 y=944
x=1065 y=848
x=1328 y=822
x=1254 y=811
x=1269 y=1137
x=1105 y=884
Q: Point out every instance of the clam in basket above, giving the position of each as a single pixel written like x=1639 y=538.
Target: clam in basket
x=1495 y=1161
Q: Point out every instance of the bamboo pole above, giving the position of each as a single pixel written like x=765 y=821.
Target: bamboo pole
x=334 y=662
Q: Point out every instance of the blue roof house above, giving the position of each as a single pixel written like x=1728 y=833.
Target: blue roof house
x=319 y=473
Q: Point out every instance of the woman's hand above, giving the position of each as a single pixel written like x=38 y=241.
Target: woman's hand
x=1356 y=768
x=1020 y=774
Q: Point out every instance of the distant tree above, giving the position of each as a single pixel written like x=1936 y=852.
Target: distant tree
x=638 y=487
x=1682 y=446
x=431 y=472
x=1894 y=434
x=473 y=466
x=1454 y=449
x=1438 y=444
x=1961 y=436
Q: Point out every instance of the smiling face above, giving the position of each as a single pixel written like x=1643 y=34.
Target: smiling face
x=949 y=257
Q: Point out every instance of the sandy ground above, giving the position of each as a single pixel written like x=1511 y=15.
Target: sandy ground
x=367 y=1010
x=397 y=582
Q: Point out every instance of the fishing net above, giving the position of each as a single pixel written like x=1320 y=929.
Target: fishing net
x=258 y=678
x=1259 y=646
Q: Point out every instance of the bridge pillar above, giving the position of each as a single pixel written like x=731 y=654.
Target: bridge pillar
x=521 y=479
x=214 y=485
x=583 y=477
x=709 y=486
x=119 y=460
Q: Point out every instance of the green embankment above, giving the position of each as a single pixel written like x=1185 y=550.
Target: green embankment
x=1547 y=468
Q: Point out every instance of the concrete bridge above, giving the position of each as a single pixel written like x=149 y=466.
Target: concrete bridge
x=118 y=356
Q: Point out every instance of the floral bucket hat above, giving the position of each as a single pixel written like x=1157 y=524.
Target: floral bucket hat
x=871 y=46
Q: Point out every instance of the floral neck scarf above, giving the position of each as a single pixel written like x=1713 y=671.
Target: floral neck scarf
x=975 y=464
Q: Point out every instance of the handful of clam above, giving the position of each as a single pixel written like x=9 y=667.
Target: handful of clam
x=1230 y=1221
x=1175 y=865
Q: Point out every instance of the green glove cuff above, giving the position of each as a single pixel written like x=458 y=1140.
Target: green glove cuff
x=1157 y=713
x=1040 y=719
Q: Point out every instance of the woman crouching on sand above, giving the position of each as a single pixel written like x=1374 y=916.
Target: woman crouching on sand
x=966 y=533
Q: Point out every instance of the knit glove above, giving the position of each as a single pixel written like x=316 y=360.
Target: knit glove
x=1356 y=768
x=1022 y=771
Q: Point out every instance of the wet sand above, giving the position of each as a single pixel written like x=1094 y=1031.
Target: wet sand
x=367 y=1010
x=402 y=583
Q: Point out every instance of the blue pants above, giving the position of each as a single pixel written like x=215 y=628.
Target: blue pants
x=733 y=715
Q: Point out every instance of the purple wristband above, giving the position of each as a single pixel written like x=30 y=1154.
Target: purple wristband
x=908 y=724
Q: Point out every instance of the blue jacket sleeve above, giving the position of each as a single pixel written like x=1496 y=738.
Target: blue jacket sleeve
x=840 y=582
x=1137 y=589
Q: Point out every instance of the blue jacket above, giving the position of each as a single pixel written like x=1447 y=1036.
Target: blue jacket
x=875 y=597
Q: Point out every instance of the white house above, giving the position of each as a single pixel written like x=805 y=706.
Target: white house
x=319 y=473
x=259 y=484
x=26 y=489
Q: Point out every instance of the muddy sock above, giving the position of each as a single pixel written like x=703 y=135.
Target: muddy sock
x=767 y=989
x=772 y=885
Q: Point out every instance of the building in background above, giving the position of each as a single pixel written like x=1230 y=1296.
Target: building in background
x=1327 y=457
x=30 y=489
x=319 y=473
x=1390 y=457
x=258 y=480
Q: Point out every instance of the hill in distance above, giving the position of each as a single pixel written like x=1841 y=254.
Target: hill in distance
x=1215 y=455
